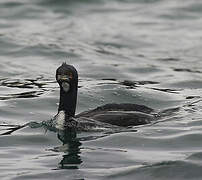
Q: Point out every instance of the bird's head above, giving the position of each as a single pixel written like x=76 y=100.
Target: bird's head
x=67 y=77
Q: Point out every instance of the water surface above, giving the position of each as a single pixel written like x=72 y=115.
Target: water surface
x=135 y=51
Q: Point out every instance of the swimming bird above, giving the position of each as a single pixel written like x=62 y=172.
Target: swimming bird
x=109 y=115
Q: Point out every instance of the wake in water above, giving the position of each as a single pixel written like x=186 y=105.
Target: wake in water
x=165 y=115
x=107 y=118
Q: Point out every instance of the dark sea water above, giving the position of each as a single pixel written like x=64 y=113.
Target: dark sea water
x=136 y=51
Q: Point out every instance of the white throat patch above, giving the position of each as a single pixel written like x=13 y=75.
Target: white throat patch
x=60 y=120
x=65 y=86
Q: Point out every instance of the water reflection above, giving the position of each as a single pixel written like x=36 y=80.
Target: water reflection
x=70 y=143
x=72 y=159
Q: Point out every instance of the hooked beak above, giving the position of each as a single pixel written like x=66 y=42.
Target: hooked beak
x=64 y=80
x=65 y=86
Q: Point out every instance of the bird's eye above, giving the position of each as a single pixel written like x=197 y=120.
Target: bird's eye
x=70 y=75
x=65 y=76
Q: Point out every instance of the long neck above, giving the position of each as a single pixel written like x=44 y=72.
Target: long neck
x=68 y=101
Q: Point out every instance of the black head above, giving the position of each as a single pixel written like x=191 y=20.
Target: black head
x=66 y=74
x=67 y=78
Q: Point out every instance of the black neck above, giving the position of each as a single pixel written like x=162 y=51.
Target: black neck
x=68 y=101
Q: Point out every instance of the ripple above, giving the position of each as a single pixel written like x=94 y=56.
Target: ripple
x=188 y=84
x=40 y=86
x=186 y=70
x=169 y=59
x=131 y=51
x=176 y=91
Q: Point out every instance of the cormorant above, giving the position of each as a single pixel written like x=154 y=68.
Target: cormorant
x=109 y=115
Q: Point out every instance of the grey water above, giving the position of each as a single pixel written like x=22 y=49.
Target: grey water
x=136 y=51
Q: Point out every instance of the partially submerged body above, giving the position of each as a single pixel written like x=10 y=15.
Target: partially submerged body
x=109 y=115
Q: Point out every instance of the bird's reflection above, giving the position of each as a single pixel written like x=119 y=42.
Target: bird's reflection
x=72 y=159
